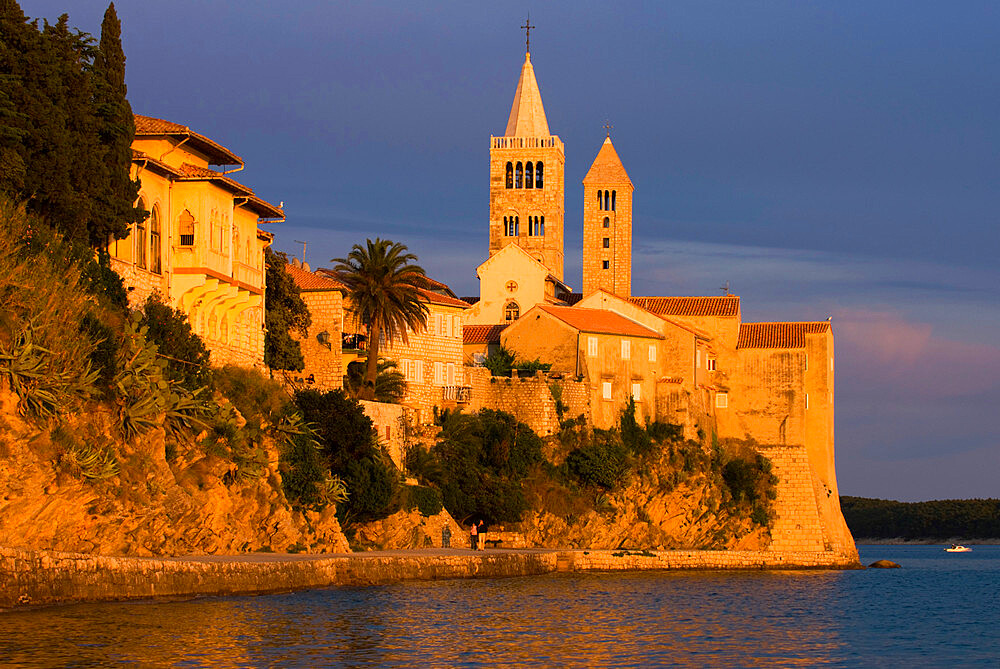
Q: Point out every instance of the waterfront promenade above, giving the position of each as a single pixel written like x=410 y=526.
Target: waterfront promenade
x=33 y=578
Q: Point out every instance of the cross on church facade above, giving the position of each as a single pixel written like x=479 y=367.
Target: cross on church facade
x=527 y=27
x=608 y=127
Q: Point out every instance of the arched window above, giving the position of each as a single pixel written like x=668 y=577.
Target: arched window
x=538 y=175
x=154 y=240
x=607 y=200
x=600 y=200
x=541 y=229
x=140 y=241
x=612 y=200
x=517 y=226
x=510 y=175
x=529 y=175
x=186 y=226
x=607 y=222
x=519 y=176
x=511 y=311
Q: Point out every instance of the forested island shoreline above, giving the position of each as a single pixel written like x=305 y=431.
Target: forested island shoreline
x=882 y=521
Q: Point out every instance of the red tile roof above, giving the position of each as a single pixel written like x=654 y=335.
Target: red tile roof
x=482 y=334
x=728 y=305
x=312 y=282
x=435 y=292
x=779 y=335
x=147 y=126
x=599 y=321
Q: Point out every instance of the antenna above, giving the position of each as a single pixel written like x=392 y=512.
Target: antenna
x=299 y=241
x=725 y=288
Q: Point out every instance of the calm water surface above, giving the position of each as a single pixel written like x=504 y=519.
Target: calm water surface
x=938 y=610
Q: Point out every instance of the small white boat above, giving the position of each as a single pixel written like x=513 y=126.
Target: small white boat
x=957 y=548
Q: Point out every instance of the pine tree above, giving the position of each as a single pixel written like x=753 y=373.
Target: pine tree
x=116 y=192
x=14 y=34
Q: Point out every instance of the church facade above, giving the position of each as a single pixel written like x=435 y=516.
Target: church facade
x=687 y=360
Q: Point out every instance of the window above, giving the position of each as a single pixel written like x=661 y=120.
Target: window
x=451 y=325
x=637 y=391
x=511 y=312
x=710 y=364
x=606 y=242
x=509 y=176
x=519 y=176
x=418 y=371
x=140 y=241
x=626 y=349
x=831 y=363
x=536 y=226
x=606 y=390
x=538 y=175
x=722 y=400
x=607 y=222
x=592 y=347
x=388 y=432
x=154 y=240
x=807 y=362
x=600 y=200
x=439 y=373
x=451 y=373
x=186 y=228
x=605 y=264
x=612 y=200
x=529 y=175
x=607 y=200
x=807 y=400
x=652 y=352
x=697 y=358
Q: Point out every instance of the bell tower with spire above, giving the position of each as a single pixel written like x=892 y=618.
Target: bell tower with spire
x=527 y=196
x=607 y=224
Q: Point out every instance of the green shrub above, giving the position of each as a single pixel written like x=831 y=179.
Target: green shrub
x=634 y=436
x=499 y=362
x=602 y=462
x=425 y=499
x=185 y=354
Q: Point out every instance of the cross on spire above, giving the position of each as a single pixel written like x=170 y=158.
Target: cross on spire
x=527 y=27
x=608 y=127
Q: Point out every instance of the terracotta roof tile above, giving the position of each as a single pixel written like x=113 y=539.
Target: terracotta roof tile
x=607 y=167
x=599 y=321
x=312 y=282
x=728 y=305
x=779 y=335
x=147 y=126
x=439 y=294
x=482 y=334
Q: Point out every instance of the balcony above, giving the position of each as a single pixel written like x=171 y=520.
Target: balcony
x=459 y=394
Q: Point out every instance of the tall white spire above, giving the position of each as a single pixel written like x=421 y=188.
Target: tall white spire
x=527 y=115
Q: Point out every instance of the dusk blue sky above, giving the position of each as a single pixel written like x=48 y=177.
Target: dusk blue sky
x=826 y=158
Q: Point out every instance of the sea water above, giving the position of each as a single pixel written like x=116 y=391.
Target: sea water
x=940 y=609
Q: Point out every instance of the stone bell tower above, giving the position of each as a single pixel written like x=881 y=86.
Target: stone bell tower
x=607 y=224
x=527 y=200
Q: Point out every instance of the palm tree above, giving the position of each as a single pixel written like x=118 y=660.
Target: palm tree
x=390 y=384
x=383 y=285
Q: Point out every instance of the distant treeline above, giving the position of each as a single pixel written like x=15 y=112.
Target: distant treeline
x=941 y=519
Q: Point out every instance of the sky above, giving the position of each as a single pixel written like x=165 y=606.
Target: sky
x=827 y=159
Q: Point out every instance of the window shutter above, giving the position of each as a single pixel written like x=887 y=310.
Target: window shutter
x=606 y=389
x=652 y=352
x=592 y=347
x=637 y=391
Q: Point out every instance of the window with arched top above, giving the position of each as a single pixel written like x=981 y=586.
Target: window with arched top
x=519 y=176
x=155 y=236
x=541 y=228
x=600 y=200
x=186 y=228
x=509 y=181
x=511 y=311
x=538 y=175
x=529 y=175
x=607 y=222
x=612 y=200
x=140 y=240
x=607 y=200
x=517 y=226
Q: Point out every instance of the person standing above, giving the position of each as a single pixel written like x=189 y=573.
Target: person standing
x=481 y=533
x=474 y=536
x=446 y=536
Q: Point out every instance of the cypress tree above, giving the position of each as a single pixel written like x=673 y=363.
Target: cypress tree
x=14 y=34
x=116 y=193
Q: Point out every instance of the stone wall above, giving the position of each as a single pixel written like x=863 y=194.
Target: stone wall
x=390 y=424
x=323 y=362
x=140 y=283
x=529 y=399
x=38 y=577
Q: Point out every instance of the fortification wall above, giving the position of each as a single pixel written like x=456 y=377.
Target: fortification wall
x=529 y=399
x=38 y=577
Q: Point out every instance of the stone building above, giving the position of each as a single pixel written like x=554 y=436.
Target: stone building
x=201 y=248
x=607 y=224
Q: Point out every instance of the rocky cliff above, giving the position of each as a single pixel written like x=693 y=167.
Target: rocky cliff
x=189 y=505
